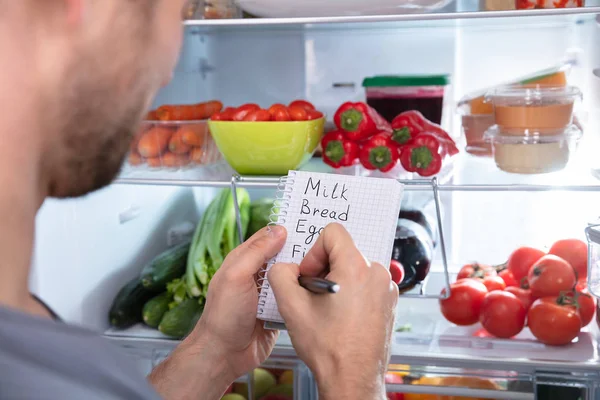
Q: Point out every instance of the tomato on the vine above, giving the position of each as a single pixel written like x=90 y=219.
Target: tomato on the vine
x=550 y=276
x=554 y=320
x=521 y=260
x=573 y=251
x=502 y=314
x=494 y=283
x=475 y=270
x=463 y=305
x=522 y=294
x=508 y=278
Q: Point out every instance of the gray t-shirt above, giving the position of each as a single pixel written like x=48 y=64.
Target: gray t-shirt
x=43 y=359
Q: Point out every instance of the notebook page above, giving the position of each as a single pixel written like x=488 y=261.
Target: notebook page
x=367 y=207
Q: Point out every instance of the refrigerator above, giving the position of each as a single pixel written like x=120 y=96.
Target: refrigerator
x=87 y=248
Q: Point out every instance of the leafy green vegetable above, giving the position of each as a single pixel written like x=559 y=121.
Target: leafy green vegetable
x=260 y=215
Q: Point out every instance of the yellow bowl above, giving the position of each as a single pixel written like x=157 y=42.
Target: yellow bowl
x=267 y=148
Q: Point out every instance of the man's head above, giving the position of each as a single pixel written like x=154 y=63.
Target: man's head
x=98 y=64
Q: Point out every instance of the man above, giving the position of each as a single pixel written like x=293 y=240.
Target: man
x=75 y=80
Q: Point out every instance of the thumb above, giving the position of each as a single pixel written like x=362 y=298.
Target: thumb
x=290 y=296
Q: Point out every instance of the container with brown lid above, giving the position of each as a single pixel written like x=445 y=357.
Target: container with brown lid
x=531 y=111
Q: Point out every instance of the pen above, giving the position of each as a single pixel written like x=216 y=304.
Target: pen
x=318 y=285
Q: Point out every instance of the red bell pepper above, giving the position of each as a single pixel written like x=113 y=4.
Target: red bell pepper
x=359 y=121
x=415 y=121
x=422 y=156
x=338 y=151
x=379 y=152
x=405 y=127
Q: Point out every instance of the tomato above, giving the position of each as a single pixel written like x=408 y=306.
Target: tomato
x=464 y=303
x=521 y=260
x=502 y=314
x=573 y=251
x=276 y=107
x=508 y=278
x=241 y=112
x=522 y=294
x=397 y=271
x=258 y=115
x=475 y=270
x=313 y=114
x=281 y=115
x=302 y=104
x=482 y=333
x=494 y=283
x=551 y=275
x=587 y=304
x=553 y=322
x=297 y=113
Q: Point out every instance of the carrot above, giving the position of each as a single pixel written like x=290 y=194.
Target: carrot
x=135 y=159
x=193 y=112
x=193 y=135
x=154 y=162
x=174 y=160
x=154 y=142
x=176 y=145
x=152 y=116
x=197 y=155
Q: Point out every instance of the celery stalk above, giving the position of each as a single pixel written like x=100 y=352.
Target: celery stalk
x=197 y=247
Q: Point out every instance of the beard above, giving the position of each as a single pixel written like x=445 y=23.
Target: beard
x=99 y=110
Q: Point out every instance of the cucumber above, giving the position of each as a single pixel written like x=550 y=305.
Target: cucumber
x=126 y=309
x=155 y=309
x=165 y=267
x=180 y=321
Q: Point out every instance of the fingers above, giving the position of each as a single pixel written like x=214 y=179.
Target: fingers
x=251 y=256
x=283 y=279
x=333 y=250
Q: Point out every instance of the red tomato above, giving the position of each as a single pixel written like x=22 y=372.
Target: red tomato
x=508 y=278
x=397 y=271
x=225 y=115
x=464 y=303
x=482 y=333
x=302 y=104
x=241 y=112
x=587 y=305
x=573 y=251
x=551 y=275
x=390 y=377
x=553 y=322
x=298 y=113
x=281 y=114
x=313 y=114
x=494 y=283
x=475 y=270
x=522 y=294
x=276 y=107
x=521 y=260
x=258 y=115
x=502 y=314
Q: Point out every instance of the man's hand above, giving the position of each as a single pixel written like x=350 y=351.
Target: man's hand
x=228 y=341
x=344 y=338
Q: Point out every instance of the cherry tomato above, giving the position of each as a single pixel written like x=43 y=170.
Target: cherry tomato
x=281 y=115
x=397 y=271
x=258 y=115
x=475 y=270
x=553 y=321
x=551 y=275
x=276 y=107
x=587 y=304
x=521 y=260
x=522 y=294
x=508 y=278
x=241 y=112
x=298 y=113
x=313 y=114
x=482 y=333
x=494 y=283
x=502 y=314
x=225 y=115
x=302 y=104
x=464 y=304
x=573 y=251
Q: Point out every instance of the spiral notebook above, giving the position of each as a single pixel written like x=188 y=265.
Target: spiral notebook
x=307 y=201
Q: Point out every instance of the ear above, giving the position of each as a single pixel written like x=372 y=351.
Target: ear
x=74 y=11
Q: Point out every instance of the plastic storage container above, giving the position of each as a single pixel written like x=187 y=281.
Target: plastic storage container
x=533 y=154
x=527 y=111
x=173 y=145
x=593 y=236
x=392 y=95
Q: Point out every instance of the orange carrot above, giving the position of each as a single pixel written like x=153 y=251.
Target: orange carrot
x=152 y=116
x=154 y=142
x=176 y=145
x=193 y=134
x=174 y=160
x=135 y=159
x=193 y=112
x=197 y=155
x=154 y=162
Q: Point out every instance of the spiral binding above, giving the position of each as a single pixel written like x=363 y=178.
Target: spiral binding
x=278 y=215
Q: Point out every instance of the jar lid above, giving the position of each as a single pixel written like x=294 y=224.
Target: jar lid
x=533 y=95
x=406 y=80
x=530 y=136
